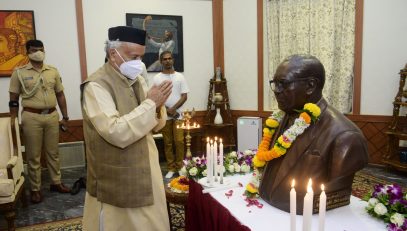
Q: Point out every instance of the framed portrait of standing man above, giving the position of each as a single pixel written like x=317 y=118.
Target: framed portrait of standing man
x=164 y=32
x=16 y=28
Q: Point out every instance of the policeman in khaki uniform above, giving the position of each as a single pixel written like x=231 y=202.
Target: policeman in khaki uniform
x=41 y=89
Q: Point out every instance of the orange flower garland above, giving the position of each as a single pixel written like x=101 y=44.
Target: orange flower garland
x=309 y=114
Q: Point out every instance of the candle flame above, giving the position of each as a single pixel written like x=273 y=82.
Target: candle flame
x=322 y=187
x=207 y=139
x=216 y=138
x=177 y=126
x=220 y=140
x=292 y=183
x=309 y=187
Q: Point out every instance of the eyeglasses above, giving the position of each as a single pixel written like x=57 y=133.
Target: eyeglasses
x=280 y=85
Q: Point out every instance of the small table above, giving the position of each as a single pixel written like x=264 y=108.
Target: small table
x=175 y=198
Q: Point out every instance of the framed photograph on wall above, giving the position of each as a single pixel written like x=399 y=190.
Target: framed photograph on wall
x=164 y=32
x=16 y=28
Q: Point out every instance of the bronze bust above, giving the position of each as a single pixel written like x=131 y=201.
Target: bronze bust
x=330 y=151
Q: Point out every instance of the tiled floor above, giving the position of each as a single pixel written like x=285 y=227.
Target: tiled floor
x=58 y=206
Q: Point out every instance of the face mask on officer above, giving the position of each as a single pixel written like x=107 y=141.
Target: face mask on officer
x=131 y=69
x=38 y=56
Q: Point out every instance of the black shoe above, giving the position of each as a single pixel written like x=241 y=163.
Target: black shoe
x=83 y=182
x=76 y=187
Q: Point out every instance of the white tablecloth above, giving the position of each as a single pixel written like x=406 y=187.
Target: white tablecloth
x=348 y=218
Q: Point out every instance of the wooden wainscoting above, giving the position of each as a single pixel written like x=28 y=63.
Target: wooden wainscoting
x=74 y=133
x=373 y=127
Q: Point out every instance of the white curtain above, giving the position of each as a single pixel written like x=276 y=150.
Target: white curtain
x=323 y=28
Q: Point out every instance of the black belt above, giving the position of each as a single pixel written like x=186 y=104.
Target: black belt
x=39 y=111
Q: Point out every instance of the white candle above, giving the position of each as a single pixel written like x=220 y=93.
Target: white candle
x=307 y=210
x=215 y=158
x=208 y=158
x=322 y=209
x=221 y=160
x=293 y=206
x=210 y=171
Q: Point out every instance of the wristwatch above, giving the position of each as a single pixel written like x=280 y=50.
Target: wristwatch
x=65 y=118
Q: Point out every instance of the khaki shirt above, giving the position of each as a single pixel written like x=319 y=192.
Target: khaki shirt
x=41 y=84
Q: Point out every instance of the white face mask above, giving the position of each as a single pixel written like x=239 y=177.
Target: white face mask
x=38 y=56
x=131 y=69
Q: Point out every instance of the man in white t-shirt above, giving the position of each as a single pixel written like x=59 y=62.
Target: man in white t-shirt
x=171 y=134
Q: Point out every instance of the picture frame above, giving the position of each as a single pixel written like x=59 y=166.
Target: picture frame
x=16 y=28
x=164 y=32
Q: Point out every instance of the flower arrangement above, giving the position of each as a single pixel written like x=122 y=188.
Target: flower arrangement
x=194 y=167
x=309 y=114
x=233 y=162
x=179 y=184
x=389 y=203
x=239 y=162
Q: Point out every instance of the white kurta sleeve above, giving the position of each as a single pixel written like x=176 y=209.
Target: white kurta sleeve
x=120 y=131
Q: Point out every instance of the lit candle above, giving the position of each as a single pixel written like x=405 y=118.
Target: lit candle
x=307 y=212
x=208 y=158
x=221 y=160
x=210 y=168
x=215 y=158
x=322 y=209
x=293 y=206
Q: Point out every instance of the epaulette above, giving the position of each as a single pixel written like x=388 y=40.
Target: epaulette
x=21 y=67
x=51 y=67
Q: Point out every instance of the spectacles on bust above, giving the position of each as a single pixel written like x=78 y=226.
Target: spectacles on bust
x=280 y=85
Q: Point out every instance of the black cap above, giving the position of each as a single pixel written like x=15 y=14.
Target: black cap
x=127 y=34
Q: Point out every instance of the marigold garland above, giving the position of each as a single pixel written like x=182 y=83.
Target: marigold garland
x=308 y=115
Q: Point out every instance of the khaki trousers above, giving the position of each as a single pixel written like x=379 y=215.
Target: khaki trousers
x=41 y=132
x=171 y=136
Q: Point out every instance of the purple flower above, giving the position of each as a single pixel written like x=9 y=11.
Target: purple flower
x=393 y=201
x=239 y=155
x=378 y=190
x=404 y=226
x=395 y=191
x=248 y=161
x=393 y=227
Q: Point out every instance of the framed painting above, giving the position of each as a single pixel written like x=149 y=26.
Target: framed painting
x=164 y=32
x=16 y=28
